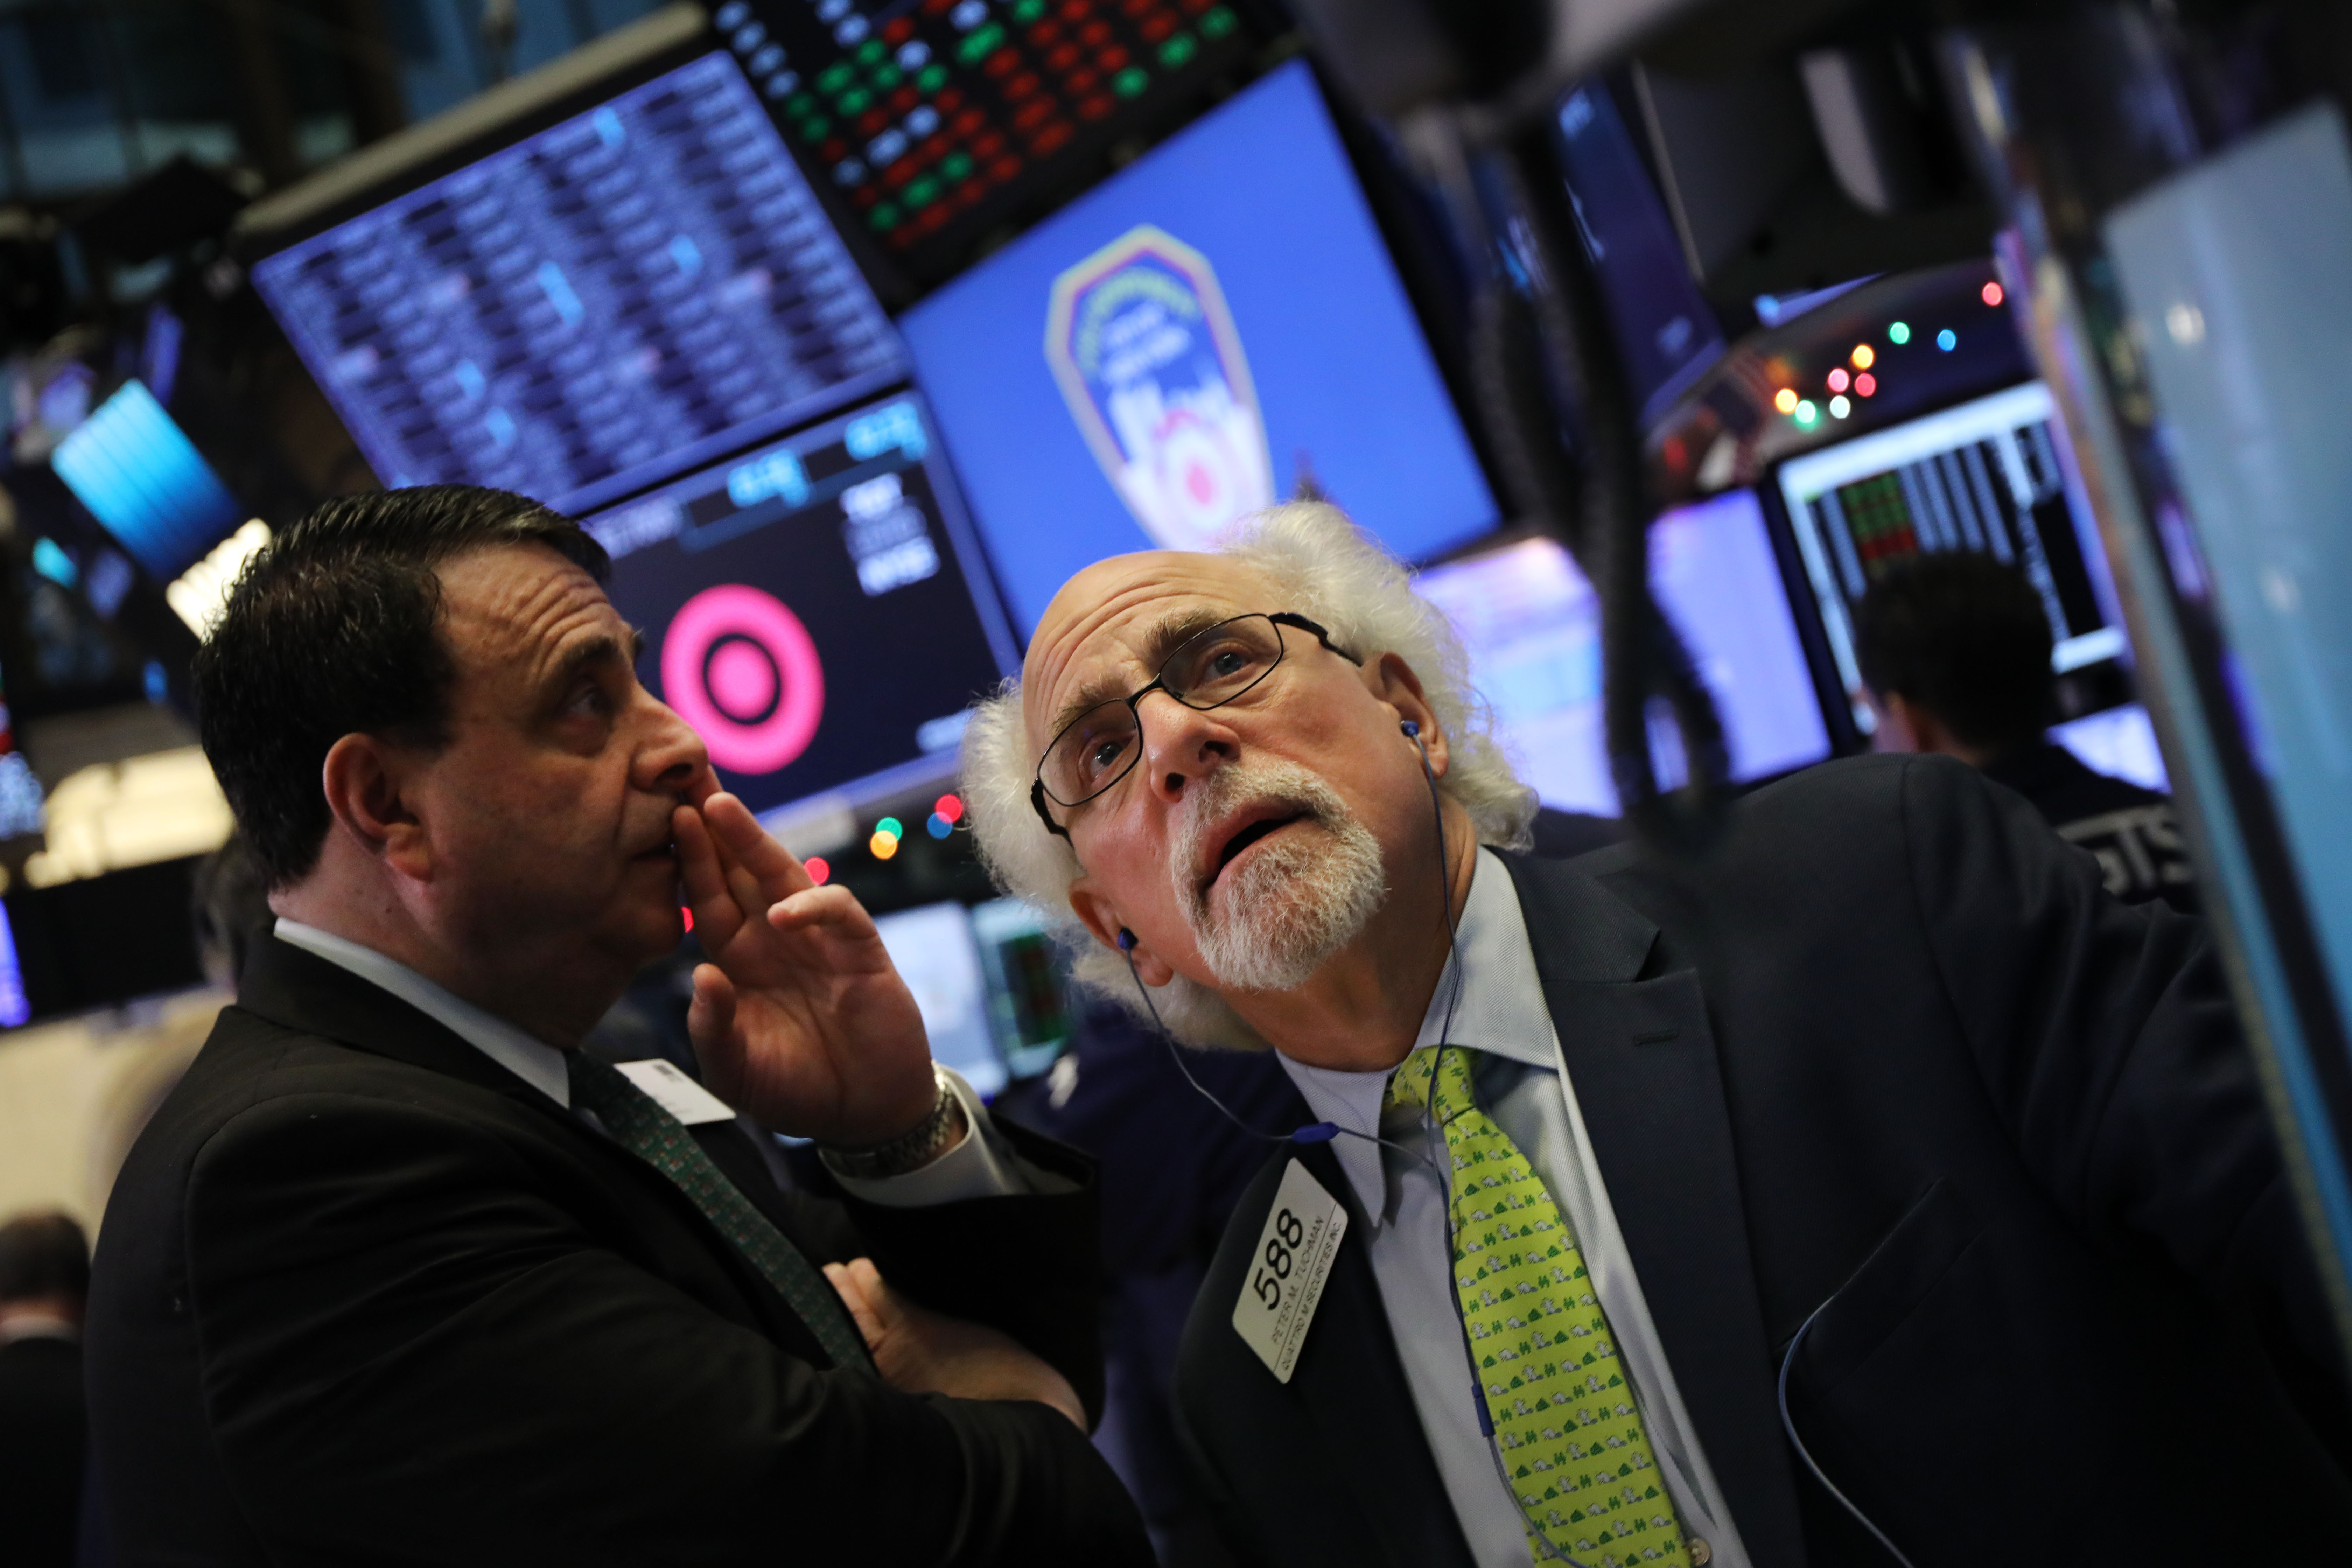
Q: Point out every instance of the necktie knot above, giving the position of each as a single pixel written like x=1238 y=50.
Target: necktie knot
x=1434 y=1076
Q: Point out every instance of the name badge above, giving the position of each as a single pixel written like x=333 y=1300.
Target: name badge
x=675 y=1092
x=1285 y=1283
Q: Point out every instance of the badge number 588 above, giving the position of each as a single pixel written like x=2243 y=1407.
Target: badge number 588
x=1285 y=1283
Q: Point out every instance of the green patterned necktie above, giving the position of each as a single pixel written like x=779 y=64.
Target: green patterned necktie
x=1563 y=1412
x=642 y=1127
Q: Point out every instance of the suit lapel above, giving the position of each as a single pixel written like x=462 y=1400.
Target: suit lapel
x=1352 y=1387
x=1641 y=1057
x=302 y=991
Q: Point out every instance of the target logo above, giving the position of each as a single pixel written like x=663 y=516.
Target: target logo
x=739 y=668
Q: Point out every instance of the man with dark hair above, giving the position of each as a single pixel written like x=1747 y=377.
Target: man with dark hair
x=400 y=1274
x=1955 y=656
x=44 y=1278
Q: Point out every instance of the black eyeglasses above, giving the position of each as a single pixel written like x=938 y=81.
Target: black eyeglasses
x=1213 y=666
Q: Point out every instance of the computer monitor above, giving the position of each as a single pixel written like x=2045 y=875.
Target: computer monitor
x=934 y=953
x=938 y=122
x=586 y=308
x=1200 y=336
x=1981 y=474
x=143 y=478
x=1532 y=624
x=817 y=607
x=1666 y=335
x=1028 y=1004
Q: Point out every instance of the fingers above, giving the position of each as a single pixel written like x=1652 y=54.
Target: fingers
x=848 y=1286
x=717 y=914
x=710 y=1025
x=833 y=909
x=772 y=866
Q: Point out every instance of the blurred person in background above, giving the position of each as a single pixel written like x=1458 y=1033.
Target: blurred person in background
x=1882 y=1138
x=1955 y=654
x=44 y=1282
x=399 y=1273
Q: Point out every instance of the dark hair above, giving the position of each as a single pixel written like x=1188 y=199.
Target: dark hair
x=43 y=1254
x=334 y=629
x=1965 y=636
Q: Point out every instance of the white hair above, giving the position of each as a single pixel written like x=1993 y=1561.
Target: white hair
x=1328 y=570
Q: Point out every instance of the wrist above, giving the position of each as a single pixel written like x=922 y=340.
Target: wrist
x=939 y=1129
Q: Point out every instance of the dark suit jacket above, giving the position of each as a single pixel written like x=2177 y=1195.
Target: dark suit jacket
x=362 y=1296
x=1892 y=1046
x=41 y=1447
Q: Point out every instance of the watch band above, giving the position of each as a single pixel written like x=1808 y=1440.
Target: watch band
x=912 y=1149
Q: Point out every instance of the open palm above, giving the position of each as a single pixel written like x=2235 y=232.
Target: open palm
x=800 y=1017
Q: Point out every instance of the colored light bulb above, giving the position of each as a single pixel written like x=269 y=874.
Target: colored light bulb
x=1948 y=340
x=891 y=826
x=1899 y=333
x=1992 y=294
x=819 y=868
x=1839 y=408
x=884 y=845
x=1865 y=384
x=1785 y=400
x=949 y=806
x=1864 y=356
x=937 y=827
x=1838 y=380
x=1806 y=412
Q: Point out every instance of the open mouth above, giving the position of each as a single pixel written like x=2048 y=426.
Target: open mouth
x=1249 y=833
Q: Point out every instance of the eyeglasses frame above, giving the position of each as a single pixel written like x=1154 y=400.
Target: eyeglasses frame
x=1041 y=802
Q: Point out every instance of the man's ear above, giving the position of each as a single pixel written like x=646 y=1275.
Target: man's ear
x=366 y=782
x=1392 y=681
x=1096 y=913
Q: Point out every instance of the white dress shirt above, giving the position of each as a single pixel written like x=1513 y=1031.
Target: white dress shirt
x=980 y=1166
x=1521 y=1080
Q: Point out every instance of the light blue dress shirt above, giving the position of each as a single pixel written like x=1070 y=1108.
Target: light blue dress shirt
x=1522 y=1082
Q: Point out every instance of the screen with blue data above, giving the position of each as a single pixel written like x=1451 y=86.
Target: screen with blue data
x=1201 y=335
x=592 y=308
x=141 y=476
x=1532 y=624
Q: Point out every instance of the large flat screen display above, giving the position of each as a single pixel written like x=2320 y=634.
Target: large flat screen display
x=645 y=286
x=1532 y=624
x=1982 y=475
x=816 y=609
x=1198 y=337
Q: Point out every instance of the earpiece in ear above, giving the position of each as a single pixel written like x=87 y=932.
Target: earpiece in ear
x=1125 y=939
x=1411 y=728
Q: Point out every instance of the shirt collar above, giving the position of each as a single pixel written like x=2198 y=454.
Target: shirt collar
x=1500 y=1011
x=535 y=1062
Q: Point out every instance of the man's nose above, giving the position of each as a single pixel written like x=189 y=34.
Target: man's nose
x=672 y=756
x=1180 y=744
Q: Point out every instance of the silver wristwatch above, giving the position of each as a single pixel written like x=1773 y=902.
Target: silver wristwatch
x=911 y=1150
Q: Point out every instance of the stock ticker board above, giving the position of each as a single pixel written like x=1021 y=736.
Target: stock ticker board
x=601 y=305
x=935 y=118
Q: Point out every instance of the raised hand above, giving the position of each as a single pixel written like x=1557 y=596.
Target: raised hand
x=800 y=1018
x=917 y=1350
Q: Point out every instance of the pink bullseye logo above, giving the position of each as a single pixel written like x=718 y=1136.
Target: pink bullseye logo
x=739 y=667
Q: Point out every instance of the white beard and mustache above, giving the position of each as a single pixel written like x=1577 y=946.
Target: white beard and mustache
x=1299 y=899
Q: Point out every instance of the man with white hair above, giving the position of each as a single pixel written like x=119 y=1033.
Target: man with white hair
x=1886 y=1101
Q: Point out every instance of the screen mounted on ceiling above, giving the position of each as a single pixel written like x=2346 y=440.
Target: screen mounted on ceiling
x=816 y=609
x=645 y=285
x=1211 y=331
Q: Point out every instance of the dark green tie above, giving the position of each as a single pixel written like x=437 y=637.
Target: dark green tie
x=641 y=1126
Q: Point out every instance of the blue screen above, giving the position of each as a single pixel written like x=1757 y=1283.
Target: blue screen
x=1269 y=271
x=644 y=287
x=143 y=480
